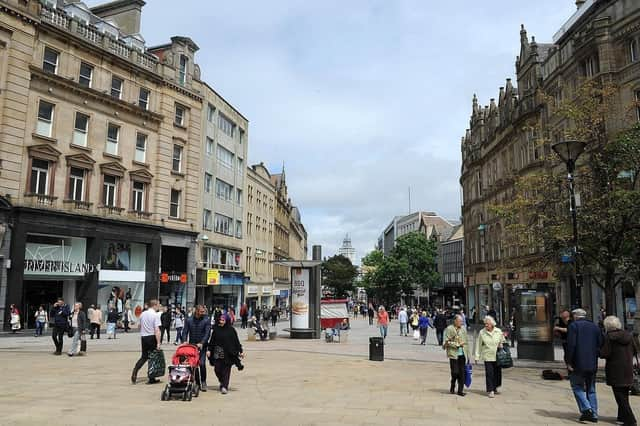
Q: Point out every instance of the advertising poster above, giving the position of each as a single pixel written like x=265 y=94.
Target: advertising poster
x=213 y=277
x=299 y=298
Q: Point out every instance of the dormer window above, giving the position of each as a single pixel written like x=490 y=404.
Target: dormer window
x=182 y=74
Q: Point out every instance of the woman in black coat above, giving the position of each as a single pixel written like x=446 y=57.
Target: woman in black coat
x=619 y=350
x=224 y=350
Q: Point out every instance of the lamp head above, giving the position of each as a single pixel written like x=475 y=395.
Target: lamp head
x=569 y=151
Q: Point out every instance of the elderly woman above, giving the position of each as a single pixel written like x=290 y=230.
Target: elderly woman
x=490 y=339
x=456 y=343
x=619 y=349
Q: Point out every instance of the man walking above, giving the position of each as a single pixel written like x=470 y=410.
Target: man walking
x=404 y=322
x=60 y=316
x=165 y=324
x=149 y=338
x=440 y=323
x=583 y=345
x=197 y=330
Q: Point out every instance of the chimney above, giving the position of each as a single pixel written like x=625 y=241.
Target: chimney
x=125 y=13
x=579 y=3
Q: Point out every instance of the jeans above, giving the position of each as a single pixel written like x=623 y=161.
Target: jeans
x=95 y=329
x=423 y=335
x=179 y=334
x=457 y=372
x=440 y=336
x=404 y=330
x=39 y=328
x=583 y=385
x=383 y=331
x=492 y=375
x=625 y=414
x=75 y=343
x=58 y=335
x=148 y=344
x=223 y=372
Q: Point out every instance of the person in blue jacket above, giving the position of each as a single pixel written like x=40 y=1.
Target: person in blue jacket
x=584 y=340
x=196 y=331
x=424 y=323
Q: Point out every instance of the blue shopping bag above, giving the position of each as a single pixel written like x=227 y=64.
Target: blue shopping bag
x=468 y=371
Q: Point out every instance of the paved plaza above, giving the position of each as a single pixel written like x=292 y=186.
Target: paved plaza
x=286 y=382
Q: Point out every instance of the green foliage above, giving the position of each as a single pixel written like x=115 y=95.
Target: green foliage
x=373 y=259
x=338 y=275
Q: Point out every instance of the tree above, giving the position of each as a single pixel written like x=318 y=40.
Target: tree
x=338 y=275
x=419 y=253
x=370 y=265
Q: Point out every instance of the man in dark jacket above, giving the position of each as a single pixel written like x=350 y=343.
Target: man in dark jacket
x=583 y=345
x=440 y=323
x=59 y=315
x=165 y=320
x=197 y=330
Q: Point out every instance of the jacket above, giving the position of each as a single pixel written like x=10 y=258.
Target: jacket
x=453 y=339
x=424 y=322
x=112 y=317
x=584 y=339
x=197 y=330
x=83 y=324
x=60 y=316
x=619 y=349
x=165 y=319
x=487 y=344
x=227 y=338
x=440 y=322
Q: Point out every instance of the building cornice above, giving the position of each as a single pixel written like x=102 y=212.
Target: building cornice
x=23 y=15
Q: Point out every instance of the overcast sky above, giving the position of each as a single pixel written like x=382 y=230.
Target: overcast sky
x=360 y=99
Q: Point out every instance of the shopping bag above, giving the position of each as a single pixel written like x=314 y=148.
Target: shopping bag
x=468 y=371
x=156 y=364
x=416 y=334
x=503 y=358
x=83 y=343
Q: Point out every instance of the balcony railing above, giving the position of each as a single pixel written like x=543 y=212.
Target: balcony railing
x=111 y=210
x=207 y=265
x=60 y=19
x=78 y=205
x=39 y=200
x=136 y=214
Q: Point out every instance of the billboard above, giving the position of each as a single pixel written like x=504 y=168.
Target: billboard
x=299 y=298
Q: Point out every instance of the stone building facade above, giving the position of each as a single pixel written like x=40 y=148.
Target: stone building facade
x=512 y=136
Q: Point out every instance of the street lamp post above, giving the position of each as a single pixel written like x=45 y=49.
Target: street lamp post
x=569 y=151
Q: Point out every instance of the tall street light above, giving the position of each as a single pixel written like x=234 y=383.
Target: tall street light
x=569 y=151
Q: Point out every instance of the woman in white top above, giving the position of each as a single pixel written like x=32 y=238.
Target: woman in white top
x=41 y=320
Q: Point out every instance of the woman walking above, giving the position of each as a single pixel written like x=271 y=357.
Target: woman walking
x=178 y=323
x=112 y=321
x=41 y=320
x=490 y=339
x=224 y=351
x=383 y=321
x=79 y=325
x=244 y=315
x=619 y=349
x=14 y=319
x=456 y=343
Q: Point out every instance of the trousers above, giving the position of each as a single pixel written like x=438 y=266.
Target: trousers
x=583 y=385
x=492 y=375
x=457 y=372
x=148 y=344
x=625 y=413
x=58 y=335
x=223 y=372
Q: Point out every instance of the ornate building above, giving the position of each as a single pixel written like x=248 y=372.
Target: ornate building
x=347 y=250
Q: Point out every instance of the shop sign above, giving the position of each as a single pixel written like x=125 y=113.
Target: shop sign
x=56 y=255
x=252 y=289
x=174 y=278
x=58 y=266
x=213 y=277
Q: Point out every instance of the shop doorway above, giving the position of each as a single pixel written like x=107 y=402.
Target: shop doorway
x=38 y=293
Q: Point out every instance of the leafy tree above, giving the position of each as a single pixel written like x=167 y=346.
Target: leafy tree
x=373 y=259
x=419 y=253
x=370 y=265
x=338 y=275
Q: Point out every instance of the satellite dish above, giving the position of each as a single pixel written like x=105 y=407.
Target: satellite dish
x=497 y=286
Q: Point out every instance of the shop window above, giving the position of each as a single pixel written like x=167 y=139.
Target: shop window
x=138 y=196
x=80 y=129
x=109 y=190
x=39 y=177
x=123 y=256
x=76 y=184
x=44 y=127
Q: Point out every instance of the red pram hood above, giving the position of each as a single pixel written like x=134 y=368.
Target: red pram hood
x=191 y=353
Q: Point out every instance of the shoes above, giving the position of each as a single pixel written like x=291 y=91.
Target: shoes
x=461 y=394
x=70 y=354
x=497 y=392
x=588 y=416
x=152 y=381
x=134 y=377
x=224 y=391
x=175 y=343
x=492 y=395
x=203 y=387
x=240 y=367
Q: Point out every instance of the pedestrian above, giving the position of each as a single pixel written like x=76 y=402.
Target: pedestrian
x=127 y=317
x=149 y=338
x=440 y=323
x=355 y=311
x=415 y=322
x=490 y=339
x=165 y=324
x=619 y=349
x=456 y=344
x=79 y=326
x=196 y=331
x=274 y=316
x=492 y=313
x=96 y=321
x=583 y=346
x=370 y=313
x=14 y=318
x=244 y=315
x=561 y=329
x=224 y=350
x=403 y=318
x=41 y=320
x=383 y=321
x=513 y=327
x=112 y=321
x=474 y=314
x=60 y=314
x=178 y=323
x=424 y=323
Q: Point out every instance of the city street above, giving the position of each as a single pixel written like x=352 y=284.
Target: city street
x=285 y=382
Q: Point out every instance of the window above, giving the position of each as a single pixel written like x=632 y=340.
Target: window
x=109 y=190
x=45 y=119
x=590 y=66
x=223 y=224
x=226 y=125
x=80 y=129
x=113 y=136
x=141 y=148
x=39 y=171
x=143 y=98
x=225 y=157
x=211 y=113
x=206 y=219
x=116 y=87
x=209 y=146
x=238 y=229
x=239 y=196
x=50 y=61
x=76 y=184
x=633 y=50
x=224 y=191
x=86 y=75
x=138 y=196
x=182 y=72
x=241 y=136
x=208 y=179
x=174 y=206
x=177 y=158
x=179 y=118
x=240 y=166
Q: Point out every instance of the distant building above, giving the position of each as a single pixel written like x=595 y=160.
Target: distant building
x=450 y=292
x=347 y=249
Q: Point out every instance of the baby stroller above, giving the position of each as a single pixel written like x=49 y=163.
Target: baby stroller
x=184 y=374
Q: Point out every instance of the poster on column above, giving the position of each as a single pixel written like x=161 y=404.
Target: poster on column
x=299 y=298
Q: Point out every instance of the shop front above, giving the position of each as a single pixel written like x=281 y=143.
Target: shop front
x=215 y=287
x=177 y=267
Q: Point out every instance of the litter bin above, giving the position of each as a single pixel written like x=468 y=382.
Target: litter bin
x=376 y=349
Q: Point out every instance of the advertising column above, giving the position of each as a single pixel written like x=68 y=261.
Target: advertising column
x=299 y=299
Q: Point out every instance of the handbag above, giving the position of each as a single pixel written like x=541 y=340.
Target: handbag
x=156 y=364
x=503 y=358
x=416 y=334
x=218 y=352
x=83 y=343
x=468 y=371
